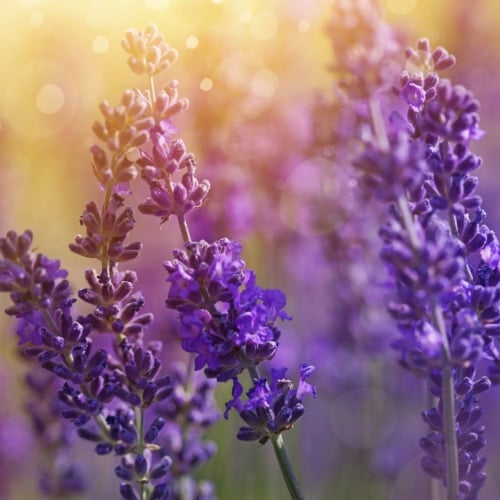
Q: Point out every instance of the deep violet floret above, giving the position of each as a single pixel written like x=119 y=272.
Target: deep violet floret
x=272 y=406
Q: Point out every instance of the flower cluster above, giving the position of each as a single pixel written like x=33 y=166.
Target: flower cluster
x=433 y=246
x=110 y=382
x=271 y=408
x=229 y=323
x=92 y=380
x=226 y=319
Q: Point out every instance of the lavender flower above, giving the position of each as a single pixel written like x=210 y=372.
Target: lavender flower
x=36 y=284
x=108 y=389
x=429 y=257
x=226 y=319
x=271 y=408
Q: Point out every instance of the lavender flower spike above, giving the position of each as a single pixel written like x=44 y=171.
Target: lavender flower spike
x=226 y=319
x=271 y=408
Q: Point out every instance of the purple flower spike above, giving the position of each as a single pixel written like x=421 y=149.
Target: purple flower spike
x=271 y=407
x=34 y=281
x=226 y=319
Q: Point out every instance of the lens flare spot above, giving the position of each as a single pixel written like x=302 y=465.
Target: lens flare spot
x=206 y=84
x=52 y=92
x=192 y=42
x=50 y=99
x=264 y=25
x=37 y=19
x=264 y=83
x=156 y=4
x=100 y=44
x=401 y=7
x=217 y=1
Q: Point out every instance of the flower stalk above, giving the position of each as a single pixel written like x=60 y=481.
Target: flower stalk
x=286 y=467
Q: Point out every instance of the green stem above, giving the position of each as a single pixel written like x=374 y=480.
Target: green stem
x=281 y=453
x=286 y=467
x=429 y=402
x=452 y=218
x=254 y=371
x=448 y=389
x=143 y=487
x=407 y=217
x=448 y=398
x=141 y=445
x=184 y=228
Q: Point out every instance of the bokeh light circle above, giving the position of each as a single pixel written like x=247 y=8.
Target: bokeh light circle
x=192 y=42
x=41 y=98
x=50 y=99
x=100 y=44
x=206 y=84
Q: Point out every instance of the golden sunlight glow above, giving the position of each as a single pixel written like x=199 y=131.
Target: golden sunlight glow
x=264 y=25
x=99 y=15
x=50 y=99
x=28 y=3
x=246 y=16
x=401 y=6
x=156 y=4
x=37 y=19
